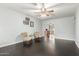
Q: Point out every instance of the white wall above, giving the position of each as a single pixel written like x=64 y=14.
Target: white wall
x=77 y=27
x=11 y=25
x=64 y=27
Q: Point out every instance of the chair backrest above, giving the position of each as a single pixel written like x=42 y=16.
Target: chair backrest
x=36 y=34
x=24 y=34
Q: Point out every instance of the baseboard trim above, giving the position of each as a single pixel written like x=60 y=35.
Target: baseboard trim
x=10 y=44
x=64 y=39
x=77 y=44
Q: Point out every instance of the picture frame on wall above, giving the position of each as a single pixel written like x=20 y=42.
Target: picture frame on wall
x=26 y=21
x=31 y=24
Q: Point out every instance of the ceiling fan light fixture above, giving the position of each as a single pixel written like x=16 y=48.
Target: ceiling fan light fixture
x=44 y=12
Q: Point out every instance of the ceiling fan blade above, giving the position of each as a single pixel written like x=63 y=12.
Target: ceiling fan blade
x=51 y=11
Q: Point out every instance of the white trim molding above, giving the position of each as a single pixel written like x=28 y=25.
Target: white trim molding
x=10 y=44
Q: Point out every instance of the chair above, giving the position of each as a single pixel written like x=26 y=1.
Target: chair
x=37 y=36
x=27 y=41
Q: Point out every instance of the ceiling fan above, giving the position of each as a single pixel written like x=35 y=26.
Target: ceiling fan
x=43 y=11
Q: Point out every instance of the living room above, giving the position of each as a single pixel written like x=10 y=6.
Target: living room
x=30 y=18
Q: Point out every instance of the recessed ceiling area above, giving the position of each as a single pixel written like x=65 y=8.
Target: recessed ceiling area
x=32 y=9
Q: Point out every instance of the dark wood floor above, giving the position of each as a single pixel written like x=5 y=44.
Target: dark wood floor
x=61 y=48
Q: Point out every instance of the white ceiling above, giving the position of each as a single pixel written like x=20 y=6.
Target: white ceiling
x=60 y=9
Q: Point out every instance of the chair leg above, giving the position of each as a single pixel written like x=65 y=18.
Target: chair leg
x=27 y=44
x=37 y=39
